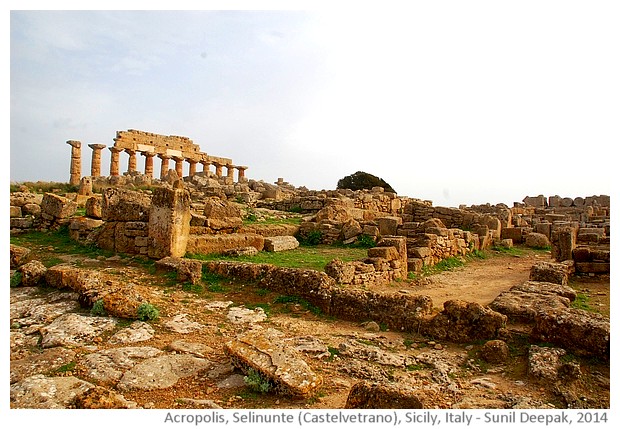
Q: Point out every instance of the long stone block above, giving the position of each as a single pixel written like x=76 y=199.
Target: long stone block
x=207 y=244
x=281 y=243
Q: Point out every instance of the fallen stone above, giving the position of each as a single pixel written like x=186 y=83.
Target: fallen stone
x=546 y=288
x=369 y=395
x=161 y=372
x=33 y=273
x=525 y=306
x=537 y=240
x=41 y=311
x=19 y=255
x=187 y=270
x=281 y=243
x=72 y=329
x=552 y=272
x=242 y=251
x=196 y=349
x=265 y=352
x=57 y=206
x=44 y=392
x=544 y=363
x=495 y=351
x=123 y=205
x=581 y=332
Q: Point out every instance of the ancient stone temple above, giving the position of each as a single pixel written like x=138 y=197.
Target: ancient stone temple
x=133 y=142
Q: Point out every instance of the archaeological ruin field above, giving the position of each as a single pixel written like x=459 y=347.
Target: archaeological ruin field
x=214 y=290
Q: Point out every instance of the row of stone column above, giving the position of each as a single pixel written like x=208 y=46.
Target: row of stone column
x=95 y=168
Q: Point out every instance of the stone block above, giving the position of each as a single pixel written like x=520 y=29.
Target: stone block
x=124 y=205
x=563 y=242
x=388 y=225
x=21 y=222
x=208 y=244
x=15 y=211
x=31 y=209
x=93 y=207
x=374 y=395
x=19 y=255
x=593 y=267
x=515 y=234
x=536 y=240
x=557 y=273
x=57 y=206
x=281 y=243
x=168 y=219
x=267 y=354
x=415 y=265
x=387 y=252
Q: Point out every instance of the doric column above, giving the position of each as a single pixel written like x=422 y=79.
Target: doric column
x=133 y=161
x=75 y=171
x=165 y=159
x=178 y=166
x=218 y=169
x=205 y=167
x=230 y=171
x=192 y=166
x=95 y=162
x=241 y=177
x=114 y=158
x=148 y=163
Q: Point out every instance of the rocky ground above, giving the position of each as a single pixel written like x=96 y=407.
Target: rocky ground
x=62 y=356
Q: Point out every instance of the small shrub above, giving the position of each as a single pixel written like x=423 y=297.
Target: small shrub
x=16 y=279
x=147 y=311
x=313 y=238
x=365 y=241
x=296 y=209
x=257 y=382
x=98 y=309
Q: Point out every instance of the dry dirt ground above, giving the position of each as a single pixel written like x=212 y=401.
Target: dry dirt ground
x=446 y=375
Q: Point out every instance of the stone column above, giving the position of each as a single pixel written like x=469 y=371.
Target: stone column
x=192 y=166
x=148 y=163
x=165 y=159
x=230 y=171
x=218 y=169
x=95 y=163
x=178 y=166
x=241 y=175
x=133 y=161
x=205 y=167
x=114 y=161
x=75 y=172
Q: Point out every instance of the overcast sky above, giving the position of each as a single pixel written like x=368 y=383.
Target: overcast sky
x=456 y=102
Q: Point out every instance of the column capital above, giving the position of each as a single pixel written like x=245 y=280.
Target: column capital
x=97 y=146
x=115 y=149
x=163 y=156
x=74 y=143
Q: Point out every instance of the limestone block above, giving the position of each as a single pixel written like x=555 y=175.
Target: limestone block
x=125 y=205
x=524 y=306
x=388 y=224
x=578 y=331
x=551 y=272
x=495 y=351
x=387 y=252
x=281 y=243
x=169 y=218
x=374 y=395
x=33 y=273
x=207 y=244
x=536 y=240
x=342 y=272
x=19 y=255
x=563 y=242
x=15 y=211
x=93 y=207
x=21 y=222
x=57 y=206
x=264 y=352
x=31 y=209
x=20 y=199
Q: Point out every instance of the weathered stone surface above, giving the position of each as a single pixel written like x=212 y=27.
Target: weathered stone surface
x=350 y=229
x=161 y=372
x=220 y=243
x=545 y=363
x=386 y=252
x=31 y=209
x=136 y=332
x=221 y=215
x=57 y=206
x=19 y=255
x=524 y=306
x=342 y=272
x=546 y=288
x=388 y=225
x=265 y=352
x=537 y=240
x=120 y=300
x=280 y=243
x=42 y=362
x=353 y=348
x=373 y=395
x=169 y=218
x=36 y=312
x=563 y=242
x=108 y=366
x=182 y=325
x=20 y=199
x=462 y=321
x=99 y=397
x=44 y=392
x=495 y=351
x=124 y=205
x=334 y=213
x=578 y=331
x=242 y=315
x=72 y=329
x=15 y=211
x=196 y=349
x=33 y=273
x=94 y=207
x=188 y=270
x=242 y=251
x=552 y=272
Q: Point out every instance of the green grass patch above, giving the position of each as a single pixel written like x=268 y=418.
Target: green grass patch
x=147 y=311
x=582 y=302
x=447 y=264
x=65 y=368
x=292 y=299
x=257 y=382
x=307 y=257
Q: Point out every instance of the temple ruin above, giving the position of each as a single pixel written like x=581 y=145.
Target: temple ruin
x=133 y=142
